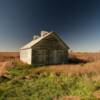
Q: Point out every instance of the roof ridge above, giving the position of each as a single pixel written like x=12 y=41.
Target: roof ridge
x=34 y=41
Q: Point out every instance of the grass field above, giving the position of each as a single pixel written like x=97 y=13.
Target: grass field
x=73 y=81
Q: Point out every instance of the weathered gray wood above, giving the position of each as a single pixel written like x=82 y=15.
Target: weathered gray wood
x=50 y=50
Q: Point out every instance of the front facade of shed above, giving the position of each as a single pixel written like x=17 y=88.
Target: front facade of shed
x=49 y=50
x=47 y=57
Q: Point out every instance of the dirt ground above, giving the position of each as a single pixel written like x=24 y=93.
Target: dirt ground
x=5 y=59
x=3 y=66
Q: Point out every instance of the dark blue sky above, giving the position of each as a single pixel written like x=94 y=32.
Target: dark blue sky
x=76 y=21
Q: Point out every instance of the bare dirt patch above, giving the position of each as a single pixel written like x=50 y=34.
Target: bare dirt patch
x=3 y=67
x=5 y=60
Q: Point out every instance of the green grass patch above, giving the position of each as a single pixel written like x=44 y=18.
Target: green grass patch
x=27 y=85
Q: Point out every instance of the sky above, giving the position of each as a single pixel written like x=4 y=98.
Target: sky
x=76 y=21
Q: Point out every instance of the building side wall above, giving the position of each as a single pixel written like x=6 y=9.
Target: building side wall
x=26 y=56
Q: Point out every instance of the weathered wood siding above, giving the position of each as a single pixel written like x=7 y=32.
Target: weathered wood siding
x=49 y=51
x=26 y=56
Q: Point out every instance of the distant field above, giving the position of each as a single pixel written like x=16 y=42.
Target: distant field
x=87 y=56
x=5 y=56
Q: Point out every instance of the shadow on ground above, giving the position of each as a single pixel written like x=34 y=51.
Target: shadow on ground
x=75 y=60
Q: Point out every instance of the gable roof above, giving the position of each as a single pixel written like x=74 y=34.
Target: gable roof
x=44 y=34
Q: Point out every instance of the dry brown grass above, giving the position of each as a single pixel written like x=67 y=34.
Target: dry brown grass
x=70 y=98
x=5 y=56
x=71 y=69
x=86 y=56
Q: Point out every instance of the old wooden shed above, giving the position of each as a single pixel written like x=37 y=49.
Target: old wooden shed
x=45 y=49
